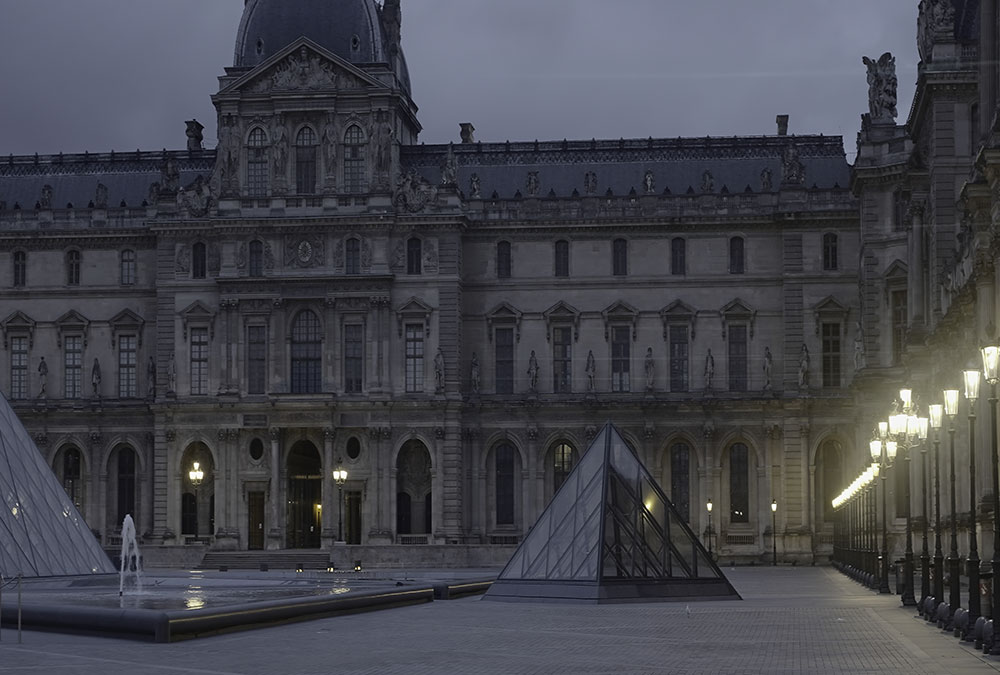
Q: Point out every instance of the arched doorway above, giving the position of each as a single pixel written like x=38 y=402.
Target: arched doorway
x=68 y=466
x=413 y=489
x=122 y=486
x=829 y=482
x=305 y=496
x=197 y=496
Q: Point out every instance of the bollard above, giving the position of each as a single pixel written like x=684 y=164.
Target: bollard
x=977 y=632
x=19 y=608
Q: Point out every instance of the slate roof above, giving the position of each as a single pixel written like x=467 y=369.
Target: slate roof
x=74 y=178
x=621 y=165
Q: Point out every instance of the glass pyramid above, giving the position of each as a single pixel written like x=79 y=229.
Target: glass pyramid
x=610 y=534
x=41 y=532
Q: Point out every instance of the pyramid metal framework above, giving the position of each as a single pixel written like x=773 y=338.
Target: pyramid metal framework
x=41 y=532
x=610 y=534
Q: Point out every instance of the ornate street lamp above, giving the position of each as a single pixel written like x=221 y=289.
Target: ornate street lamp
x=196 y=476
x=878 y=451
x=954 y=585
x=971 y=378
x=904 y=429
x=991 y=369
x=936 y=412
x=925 y=557
x=708 y=507
x=774 y=533
x=340 y=477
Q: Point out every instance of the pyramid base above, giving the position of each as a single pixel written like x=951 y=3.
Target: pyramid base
x=612 y=591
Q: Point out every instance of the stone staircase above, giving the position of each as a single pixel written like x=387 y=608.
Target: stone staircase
x=309 y=559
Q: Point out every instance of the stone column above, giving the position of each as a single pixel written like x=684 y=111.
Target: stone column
x=331 y=504
x=915 y=282
x=95 y=487
x=275 y=527
x=329 y=346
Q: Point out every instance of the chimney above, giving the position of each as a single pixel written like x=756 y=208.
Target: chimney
x=467 y=131
x=782 y=121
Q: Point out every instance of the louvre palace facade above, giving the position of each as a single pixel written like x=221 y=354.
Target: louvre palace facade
x=451 y=324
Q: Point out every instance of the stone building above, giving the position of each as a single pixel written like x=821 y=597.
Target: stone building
x=450 y=324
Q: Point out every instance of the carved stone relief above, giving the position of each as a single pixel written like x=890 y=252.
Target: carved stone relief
x=302 y=70
x=305 y=252
x=414 y=192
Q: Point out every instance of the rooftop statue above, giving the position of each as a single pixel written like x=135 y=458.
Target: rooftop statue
x=882 y=87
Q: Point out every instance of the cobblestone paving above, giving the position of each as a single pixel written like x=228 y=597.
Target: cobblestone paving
x=792 y=620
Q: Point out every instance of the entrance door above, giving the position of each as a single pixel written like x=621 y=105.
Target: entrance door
x=305 y=496
x=352 y=517
x=255 y=527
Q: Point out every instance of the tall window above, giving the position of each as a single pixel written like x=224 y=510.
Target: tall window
x=256 y=258
x=505 y=484
x=72 y=365
x=199 y=361
x=127 y=267
x=20 y=269
x=72 y=472
x=352 y=256
x=737 y=358
x=305 y=161
x=414 y=358
x=354 y=351
x=562 y=359
x=19 y=367
x=414 y=255
x=737 y=261
x=127 y=360
x=257 y=171
x=619 y=255
x=354 y=160
x=126 y=483
x=620 y=358
x=503 y=260
x=199 y=261
x=900 y=203
x=504 y=367
x=899 y=320
x=829 y=251
x=562 y=258
x=73 y=268
x=680 y=479
x=831 y=354
x=678 y=256
x=307 y=354
x=562 y=464
x=679 y=358
x=256 y=359
x=739 y=484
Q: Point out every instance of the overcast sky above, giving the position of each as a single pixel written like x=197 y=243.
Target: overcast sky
x=98 y=75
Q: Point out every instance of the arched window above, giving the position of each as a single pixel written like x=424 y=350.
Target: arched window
x=504 y=484
x=737 y=261
x=72 y=473
x=829 y=251
x=354 y=160
x=503 y=260
x=127 y=267
x=305 y=161
x=829 y=477
x=678 y=257
x=20 y=269
x=352 y=256
x=562 y=258
x=680 y=479
x=257 y=166
x=126 y=483
x=73 y=268
x=739 y=483
x=562 y=464
x=307 y=348
x=414 y=255
x=256 y=259
x=619 y=255
x=199 y=261
x=413 y=489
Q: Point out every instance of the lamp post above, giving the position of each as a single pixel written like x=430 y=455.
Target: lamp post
x=954 y=585
x=936 y=412
x=925 y=556
x=972 y=393
x=196 y=476
x=708 y=507
x=340 y=477
x=903 y=426
x=881 y=580
x=991 y=368
x=774 y=532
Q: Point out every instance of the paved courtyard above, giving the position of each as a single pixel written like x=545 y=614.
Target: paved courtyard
x=792 y=620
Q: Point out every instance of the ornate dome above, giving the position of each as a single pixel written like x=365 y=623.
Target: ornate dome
x=351 y=29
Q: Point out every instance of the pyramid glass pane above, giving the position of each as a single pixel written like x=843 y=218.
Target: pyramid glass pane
x=41 y=532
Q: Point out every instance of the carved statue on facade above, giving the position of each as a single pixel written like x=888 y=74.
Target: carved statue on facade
x=382 y=135
x=804 y=367
x=590 y=182
x=46 y=201
x=439 y=372
x=414 y=192
x=196 y=198
x=95 y=378
x=279 y=136
x=194 y=135
x=792 y=169
x=707 y=182
x=228 y=150
x=768 y=366
x=859 y=347
x=330 y=142
x=475 y=187
x=43 y=378
x=533 y=373
x=170 y=176
x=474 y=374
x=709 y=369
x=591 y=370
x=101 y=196
x=650 y=367
x=766 y=183
x=171 y=375
x=648 y=182
x=881 y=87
x=532 y=183
x=449 y=171
x=151 y=377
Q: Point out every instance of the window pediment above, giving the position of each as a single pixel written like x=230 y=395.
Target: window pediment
x=678 y=312
x=126 y=321
x=415 y=309
x=619 y=313
x=737 y=311
x=829 y=310
x=564 y=313
x=19 y=322
x=74 y=323
x=504 y=313
x=199 y=314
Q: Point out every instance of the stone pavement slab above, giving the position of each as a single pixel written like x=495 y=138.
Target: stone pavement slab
x=792 y=620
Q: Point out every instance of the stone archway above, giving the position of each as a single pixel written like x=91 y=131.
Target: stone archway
x=304 y=515
x=413 y=489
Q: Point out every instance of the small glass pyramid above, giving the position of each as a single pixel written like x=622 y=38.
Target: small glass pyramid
x=610 y=535
x=41 y=532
